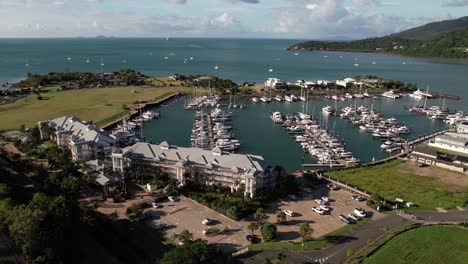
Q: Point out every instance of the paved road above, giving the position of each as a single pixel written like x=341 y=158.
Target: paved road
x=451 y=216
x=336 y=253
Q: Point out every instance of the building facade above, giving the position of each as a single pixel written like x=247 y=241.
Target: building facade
x=194 y=164
x=84 y=140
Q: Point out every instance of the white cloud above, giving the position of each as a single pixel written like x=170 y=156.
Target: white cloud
x=223 y=20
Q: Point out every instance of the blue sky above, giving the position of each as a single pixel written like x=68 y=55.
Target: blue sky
x=309 y=19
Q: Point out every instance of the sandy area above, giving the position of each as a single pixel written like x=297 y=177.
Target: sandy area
x=446 y=176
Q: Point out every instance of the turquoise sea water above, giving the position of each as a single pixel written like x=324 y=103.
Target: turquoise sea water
x=243 y=59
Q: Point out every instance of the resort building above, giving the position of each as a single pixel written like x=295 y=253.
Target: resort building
x=346 y=82
x=194 y=164
x=275 y=83
x=84 y=140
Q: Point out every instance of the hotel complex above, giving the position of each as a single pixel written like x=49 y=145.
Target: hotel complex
x=194 y=164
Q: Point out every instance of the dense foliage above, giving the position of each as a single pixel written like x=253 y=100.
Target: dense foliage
x=66 y=79
x=449 y=45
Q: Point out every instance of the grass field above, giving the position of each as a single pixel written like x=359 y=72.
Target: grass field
x=385 y=180
x=431 y=244
x=96 y=105
x=318 y=243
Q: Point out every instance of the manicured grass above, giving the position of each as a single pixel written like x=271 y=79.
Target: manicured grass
x=385 y=180
x=431 y=244
x=318 y=243
x=87 y=104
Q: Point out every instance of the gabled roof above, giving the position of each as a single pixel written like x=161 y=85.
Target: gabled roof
x=195 y=156
x=81 y=131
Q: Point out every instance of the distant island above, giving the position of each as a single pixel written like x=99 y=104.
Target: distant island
x=443 y=39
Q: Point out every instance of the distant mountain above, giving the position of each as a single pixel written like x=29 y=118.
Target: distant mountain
x=433 y=30
x=444 y=39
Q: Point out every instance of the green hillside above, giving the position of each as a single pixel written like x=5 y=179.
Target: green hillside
x=438 y=40
x=433 y=30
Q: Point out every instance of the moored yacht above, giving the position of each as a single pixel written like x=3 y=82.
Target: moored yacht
x=391 y=94
x=327 y=110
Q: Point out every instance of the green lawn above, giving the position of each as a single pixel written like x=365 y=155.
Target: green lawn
x=432 y=244
x=318 y=243
x=87 y=104
x=385 y=180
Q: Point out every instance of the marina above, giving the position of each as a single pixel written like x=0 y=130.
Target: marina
x=256 y=129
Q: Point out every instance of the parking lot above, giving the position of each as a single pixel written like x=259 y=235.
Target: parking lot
x=340 y=202
x=186 y=214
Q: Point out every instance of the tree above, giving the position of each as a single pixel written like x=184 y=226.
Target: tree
x=280 y=258
x=194 y=252
x=306 y=231
x=233 y=213
x=252 y=227
x=184 y=237
x=260 y=214
x=268 y=232
x=281 y=217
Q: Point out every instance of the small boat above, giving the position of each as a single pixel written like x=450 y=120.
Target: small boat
x=255 y=99
x=391 y=94
x=327 y=110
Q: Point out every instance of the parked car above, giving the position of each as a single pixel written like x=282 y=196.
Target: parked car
x=324 y=198
x=318 y=210
x=351 y=216
x=324 y=208
x=344 y=219
x=307 y=190
x=249 y=238
x=292 y=197
x=207 y=221
x=358 y=198
x=156 y=205
x=289 y=212
x=360 y=212
x=173 y=199
x=205 y=231
x=332 y=187
x=158 y=225
x=319 y=201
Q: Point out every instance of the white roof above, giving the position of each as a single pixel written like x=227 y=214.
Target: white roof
x=82 y=130
x=182 y=156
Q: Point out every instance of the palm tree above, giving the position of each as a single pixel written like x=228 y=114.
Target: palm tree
x=252 y=227
x=306 y=231
x=281 y=217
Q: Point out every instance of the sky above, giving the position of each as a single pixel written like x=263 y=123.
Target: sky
x=302 y=19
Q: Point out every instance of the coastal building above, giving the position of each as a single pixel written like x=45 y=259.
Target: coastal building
x=453 y=142
x=84 y=140
x=427 y=156
x=203 y=166
x=275 y=83
x=346 y=82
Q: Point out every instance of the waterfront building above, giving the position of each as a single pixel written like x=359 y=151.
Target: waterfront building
x=275 y=83
x=346 y=82
x=84 y=140
x=454 y=142
x=194 y=164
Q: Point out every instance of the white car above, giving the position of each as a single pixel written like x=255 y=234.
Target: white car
x=332 y=187
x=319 y=201
x=307 y=190
x=173 y=199
x=318 y=210
x=288 y=212
x=292 y=197
x=205 y=231
x=359 y=212
x=156 y=205
x=351 y=216
x=324 y=198
x=207 y=221
x=324 y=208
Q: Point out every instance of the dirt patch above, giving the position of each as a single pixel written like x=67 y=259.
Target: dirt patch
x=445 y=176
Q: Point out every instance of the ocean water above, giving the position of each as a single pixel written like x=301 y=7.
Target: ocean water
x=244 y=59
